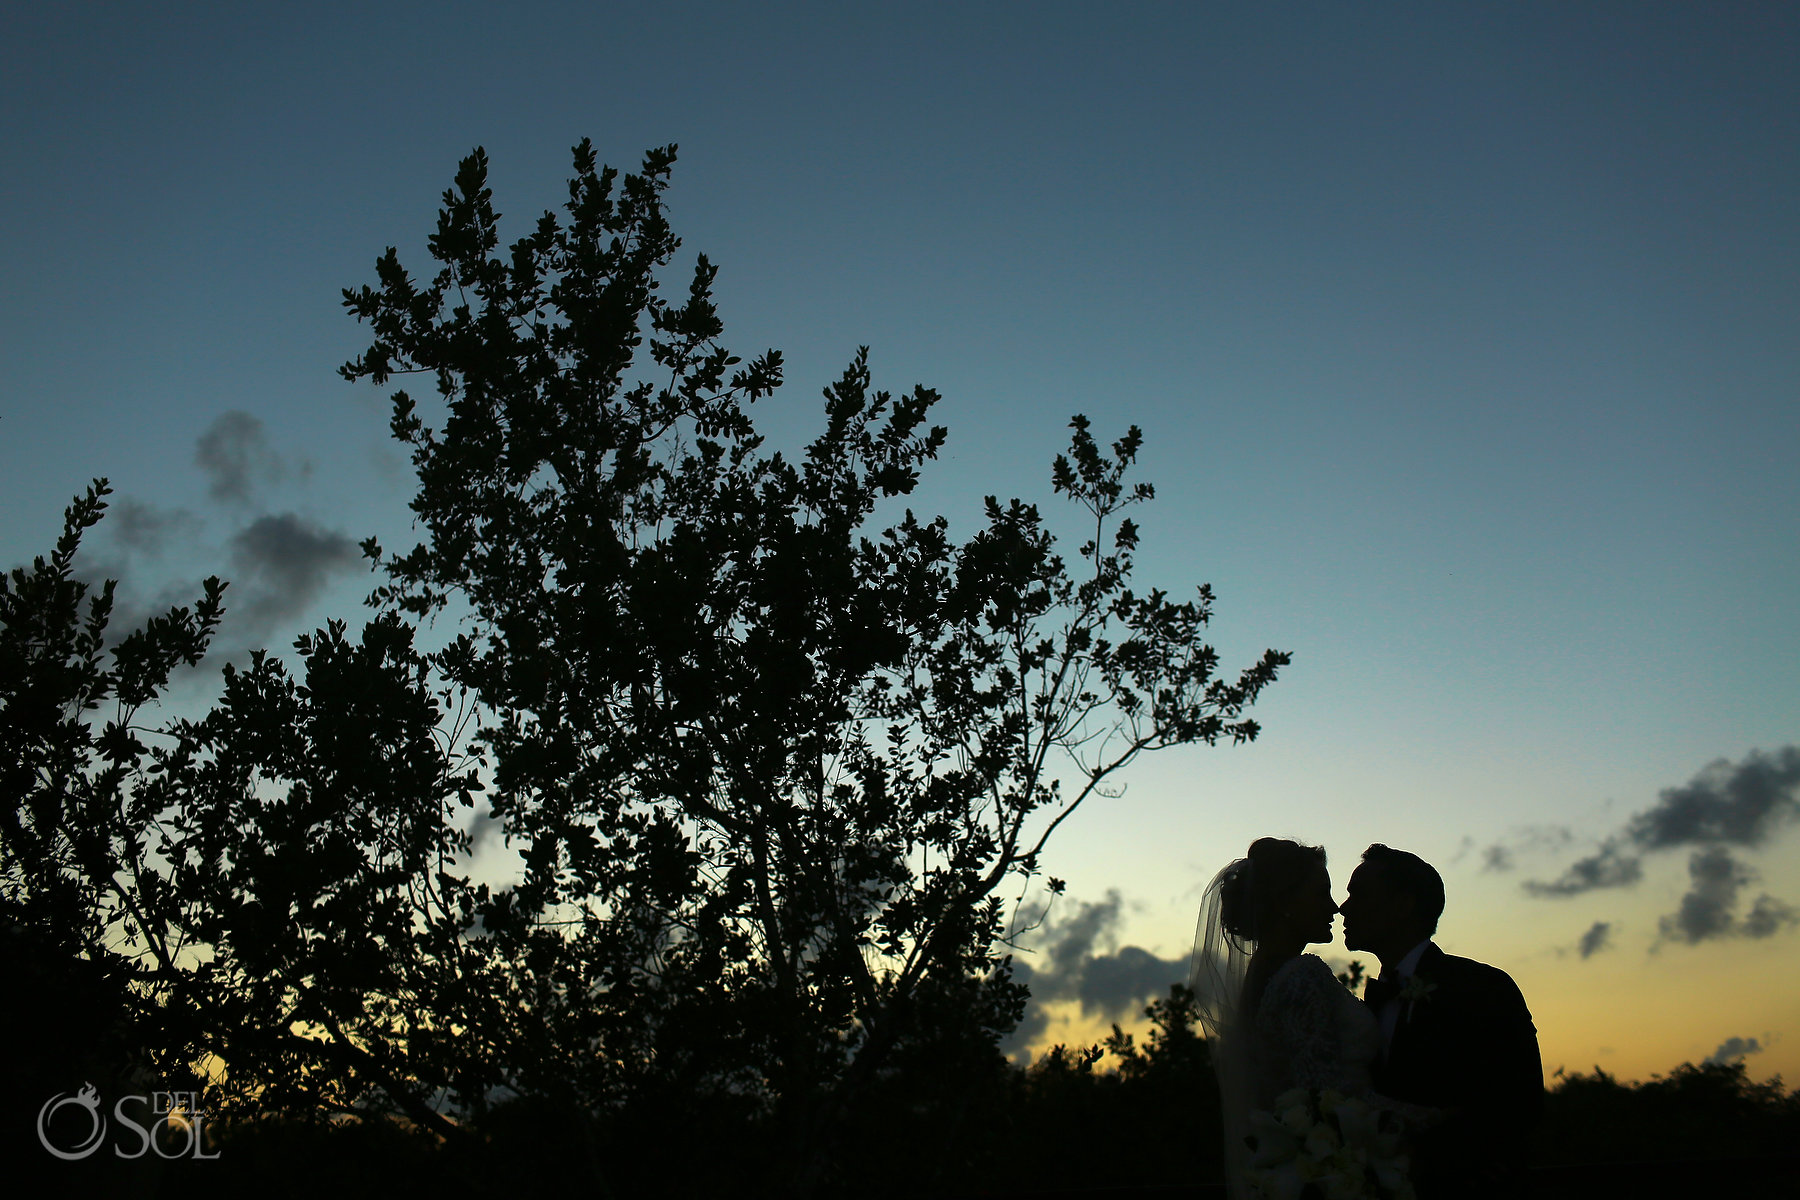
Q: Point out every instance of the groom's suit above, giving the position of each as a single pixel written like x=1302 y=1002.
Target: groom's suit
x=1463 y=1042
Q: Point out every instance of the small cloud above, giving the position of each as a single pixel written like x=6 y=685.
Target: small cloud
x=142 y=528
x=1528 y=841
x=1734 y=1049
x=1769 y=916
x=281 y=564
x=236 y=457
x=1608 y=867
x=1597 y=938
x=485 y=829
x=1709 y=909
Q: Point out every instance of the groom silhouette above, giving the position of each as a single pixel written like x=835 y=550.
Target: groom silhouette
x=1455 y=1033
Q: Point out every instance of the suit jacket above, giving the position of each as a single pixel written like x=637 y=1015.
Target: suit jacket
x=1466 y=1044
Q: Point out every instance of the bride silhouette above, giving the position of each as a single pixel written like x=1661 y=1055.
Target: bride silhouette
x=1278 y=1018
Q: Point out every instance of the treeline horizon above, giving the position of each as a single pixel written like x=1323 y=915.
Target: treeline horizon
x=1122 y=1113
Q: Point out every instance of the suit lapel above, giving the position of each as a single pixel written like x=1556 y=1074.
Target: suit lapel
x=1400 y=1048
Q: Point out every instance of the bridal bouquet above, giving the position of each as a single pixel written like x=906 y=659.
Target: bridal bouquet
x=1347 y=1148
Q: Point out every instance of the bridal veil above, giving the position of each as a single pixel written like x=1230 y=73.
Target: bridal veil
x=1220 y=966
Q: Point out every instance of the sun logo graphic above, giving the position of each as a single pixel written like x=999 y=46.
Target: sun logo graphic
x=89 y=1100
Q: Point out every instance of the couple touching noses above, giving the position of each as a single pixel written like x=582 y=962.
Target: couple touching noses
x=1440 y=1055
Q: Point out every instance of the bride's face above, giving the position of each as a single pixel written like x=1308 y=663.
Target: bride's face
x=1312 y=908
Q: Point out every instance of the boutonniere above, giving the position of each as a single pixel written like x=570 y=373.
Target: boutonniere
x=1414 y=991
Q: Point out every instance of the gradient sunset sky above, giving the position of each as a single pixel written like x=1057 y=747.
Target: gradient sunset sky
x=1465 y=338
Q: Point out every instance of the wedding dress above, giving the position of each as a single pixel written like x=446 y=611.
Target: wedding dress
x=1305 y=1031
x=1310 y=1032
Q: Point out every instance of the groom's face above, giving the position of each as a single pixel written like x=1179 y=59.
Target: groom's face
x=1376 y=914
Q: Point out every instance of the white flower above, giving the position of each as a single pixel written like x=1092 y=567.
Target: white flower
x=1296 y=1117
x=1416 y=991
x=1275 y=1143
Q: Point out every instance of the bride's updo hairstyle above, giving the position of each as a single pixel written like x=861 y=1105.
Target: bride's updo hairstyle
x=1258 y=883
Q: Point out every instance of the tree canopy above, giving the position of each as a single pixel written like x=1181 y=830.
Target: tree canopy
x=768 y=745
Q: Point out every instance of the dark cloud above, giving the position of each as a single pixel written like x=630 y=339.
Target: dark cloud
x=142 y=528
x=1608 y=867
x=1724 y=805
x=281 y=564
x=1709 y=909
x=1739 y=805
x=1768 y=916
x=134 y=604
x=1497 y=858
x=1597 y=938
x=485 y=829
x=1078 y=961
x=1117 y=985
x=236 y=457
x=1734 y=1049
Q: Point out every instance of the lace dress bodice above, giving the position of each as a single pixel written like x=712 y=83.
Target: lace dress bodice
x=1310 y=1032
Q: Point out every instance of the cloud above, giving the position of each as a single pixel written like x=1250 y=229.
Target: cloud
x=1733 y=1049
x=1714 y=879
x=1529 y=840
x=1768 y=916
x=236 y=457
x=1597 y=938
x=281 y=564
x=140 y=528
x=1079 y=962
x=1608 y=867
x=1724 y=805
x=1709 y=908
x=1115 y=985
x=485 y=829
x=1738 y=805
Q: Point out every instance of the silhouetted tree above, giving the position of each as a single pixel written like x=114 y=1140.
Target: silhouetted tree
x=265 y=894
x=78 y=881
x=1696 y=1111
x=767 y=760
x=768 y=763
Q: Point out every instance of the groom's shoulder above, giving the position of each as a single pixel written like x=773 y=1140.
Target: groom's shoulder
x=1480 y=977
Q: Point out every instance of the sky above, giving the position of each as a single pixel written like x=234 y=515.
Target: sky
x=1464 y=339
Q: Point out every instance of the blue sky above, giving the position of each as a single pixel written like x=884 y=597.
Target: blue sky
x=1464 y=338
